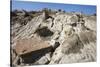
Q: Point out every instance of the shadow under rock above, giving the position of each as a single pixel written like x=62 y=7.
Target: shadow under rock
x=33 y=56
x=44 y=32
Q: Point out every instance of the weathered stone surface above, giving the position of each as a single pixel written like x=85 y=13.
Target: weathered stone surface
x=90 y=22
x=87 y=37
x=87 y=54
x=52 y=38
x=73 y=19
x=24 y=46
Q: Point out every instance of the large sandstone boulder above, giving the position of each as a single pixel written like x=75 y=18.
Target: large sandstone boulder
x=24 y=46
x=30 y=50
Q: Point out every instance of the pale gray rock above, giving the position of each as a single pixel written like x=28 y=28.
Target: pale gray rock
x=71 y=37
x=90 y=22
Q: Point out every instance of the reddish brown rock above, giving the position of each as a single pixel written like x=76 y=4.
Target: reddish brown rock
x=24 y=46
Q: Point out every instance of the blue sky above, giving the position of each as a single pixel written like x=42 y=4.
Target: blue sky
x=86 y=9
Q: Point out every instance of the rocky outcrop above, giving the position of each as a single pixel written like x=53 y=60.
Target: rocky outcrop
x=52 y=37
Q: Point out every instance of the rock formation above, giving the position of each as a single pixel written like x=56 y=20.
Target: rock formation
x=52 y=37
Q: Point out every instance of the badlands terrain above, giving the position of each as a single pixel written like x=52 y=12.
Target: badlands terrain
x=52 y=37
